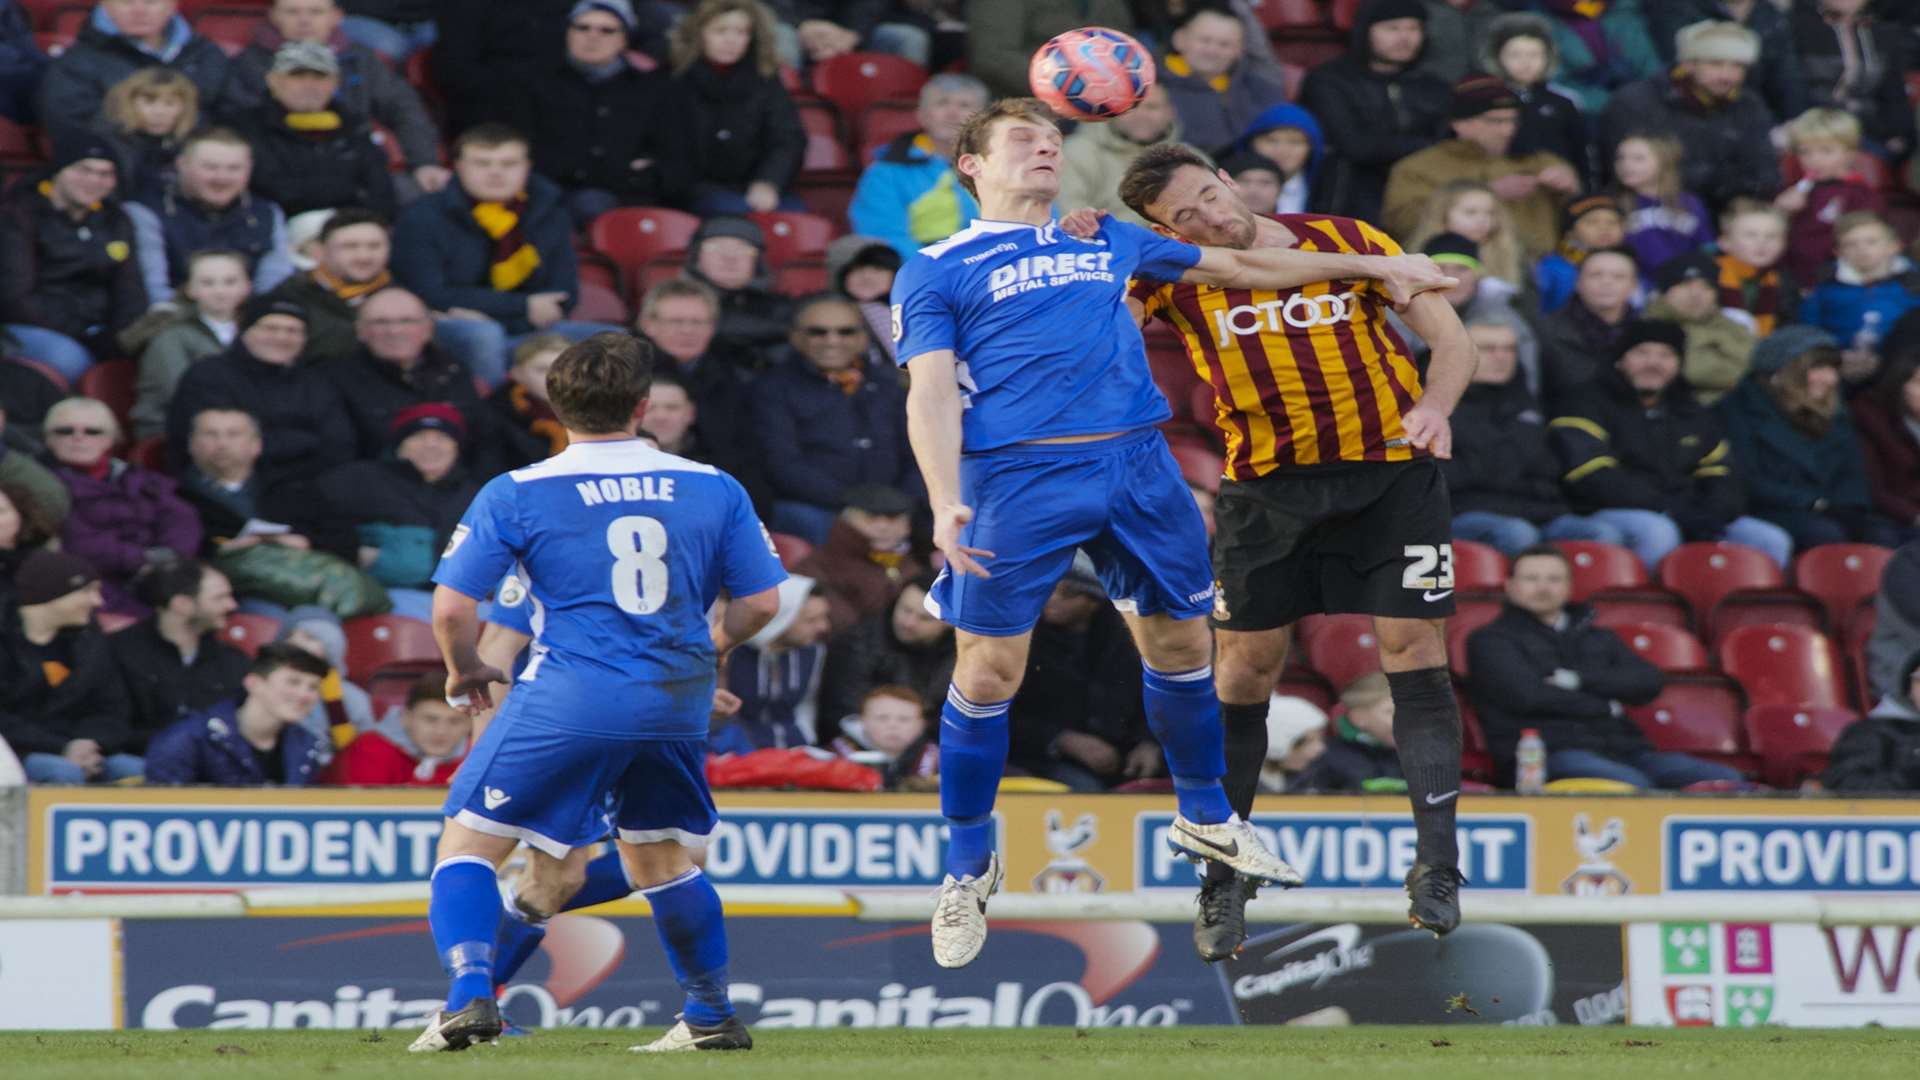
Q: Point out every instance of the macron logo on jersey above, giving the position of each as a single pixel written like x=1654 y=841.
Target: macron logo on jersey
x=1049 y=271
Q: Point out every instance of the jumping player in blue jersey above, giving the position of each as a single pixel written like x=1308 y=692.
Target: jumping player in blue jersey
x=1031 y=413
x=624 y=549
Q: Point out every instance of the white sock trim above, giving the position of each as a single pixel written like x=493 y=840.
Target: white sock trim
x=458 y=859
x=691 y=873
x=1196 y=675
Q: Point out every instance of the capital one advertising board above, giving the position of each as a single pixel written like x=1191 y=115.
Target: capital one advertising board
x=1702 y=974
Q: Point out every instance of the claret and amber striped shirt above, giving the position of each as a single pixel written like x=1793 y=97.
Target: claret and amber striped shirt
x=1305 y=377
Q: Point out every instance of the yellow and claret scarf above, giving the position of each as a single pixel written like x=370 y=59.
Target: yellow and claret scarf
x=849 y=380
x=46 y=191
x=1179 y=66
x=514 y=259
x=322 y=121
x=347 y=290
x=543 y=422
x=1592 y=9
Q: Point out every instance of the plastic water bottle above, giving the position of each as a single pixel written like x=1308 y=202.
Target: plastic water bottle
x=1530 y=763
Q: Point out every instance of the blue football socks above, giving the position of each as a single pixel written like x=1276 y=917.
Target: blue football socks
x=973 y=756
x=464 y=913
x=521 y=933
x=686 y=912
x=1184 y=715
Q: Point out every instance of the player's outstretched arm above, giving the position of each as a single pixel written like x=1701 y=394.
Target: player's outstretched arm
x=456 y=626
x=743 y=617
x=1450 y=370
x=933 y=427
x=1404 y=276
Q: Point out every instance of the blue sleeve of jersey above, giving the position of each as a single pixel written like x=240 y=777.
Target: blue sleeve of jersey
x=513 y=606
x=485 y=544
x=1156 y=256
x=923 y=319
x=748 y=562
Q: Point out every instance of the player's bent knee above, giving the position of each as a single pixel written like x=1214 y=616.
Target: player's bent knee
x=1411 y=644
x=457 y=840
x=1249 y=663
x=656 y=863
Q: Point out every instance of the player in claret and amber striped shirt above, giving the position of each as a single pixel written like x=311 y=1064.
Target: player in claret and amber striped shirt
x=1332 y=501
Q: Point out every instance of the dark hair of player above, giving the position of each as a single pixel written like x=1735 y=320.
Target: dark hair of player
x=977 y=132
x=1147 y=178
x=595 y=385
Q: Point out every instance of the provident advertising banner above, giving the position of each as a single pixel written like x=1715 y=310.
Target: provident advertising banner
x=1709 y=974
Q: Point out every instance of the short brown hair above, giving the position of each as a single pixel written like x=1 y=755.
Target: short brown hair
x=894 y=691
x=678 y=288
x=1147 y=178
x=1860 y=219
x=430 y=686
x=272 y=658
x=978 y=130
x=1745 y=207
x=595 y=386
x=488 y=136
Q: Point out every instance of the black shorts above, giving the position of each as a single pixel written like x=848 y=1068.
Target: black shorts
x=1372 y=538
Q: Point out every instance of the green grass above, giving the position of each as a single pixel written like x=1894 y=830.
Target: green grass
x=1469 y=1053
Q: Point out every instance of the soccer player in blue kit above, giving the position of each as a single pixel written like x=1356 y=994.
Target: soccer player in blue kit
x=1031 y=413
x=624 y=549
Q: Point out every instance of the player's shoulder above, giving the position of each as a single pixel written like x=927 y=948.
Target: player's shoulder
x=969 y=244
x=607 y=458
x=1332 y=232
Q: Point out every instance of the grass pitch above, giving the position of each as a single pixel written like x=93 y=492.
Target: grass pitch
x=1468 y=1053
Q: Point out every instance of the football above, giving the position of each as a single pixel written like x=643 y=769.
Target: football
x=1093 y=73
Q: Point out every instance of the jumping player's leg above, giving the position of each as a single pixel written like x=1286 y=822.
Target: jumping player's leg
x=1247 y=664
x=1426 y=729
x=973 y=742
x=1182 y=710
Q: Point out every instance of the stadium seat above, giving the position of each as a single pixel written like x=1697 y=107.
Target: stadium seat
x=1793 y=741
x=631 y=235
x=599 y=303
x=388 y=645
x=1199 y=466
x=1342 y=648
x=1840 y=576
x=794 y=235
x=230 y=28
x=20 y=146
x=1478 y=567
x=854 y=80
x=1653 y=606
x=150 y=453
x=1699 y=716
x=1859 y=631
x=1784 y=665
x=801 y=277
x=1669 y=648
x=247 y=632
x=1290 y=14
x=69 y=19
x=826 y=194
x=1467 y=617
x=1476 y=759
x=46 y=371
x=596 y=267
x=1599 y=567
x=112 y=383
x=884 y=121
x=1306 y=687
x=1706 y=573
x=792 y=549
x=826 y=154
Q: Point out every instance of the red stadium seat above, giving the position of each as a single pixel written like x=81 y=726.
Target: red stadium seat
x=632 y=235
x=1668 y=648
x=1199 y=466
x=1599 y=567
x=1307 y=688
x=1343 y=648
x=228 y=28
x=884 y=121
x=45 y=371
x=793 y=550
x=69 y=20
x=1478 y=567
x=852 y=81
x=596 y=267
x=112 y=383
x=1468 y=616
x=1859 y=631
x=1780 y=607
x=389 y=645
x=1476 y=759
x=794 y=235
x=801 y=277
x=1840 y=576
x=826 y=154
x=1706 y=573
x=598 y=303
x=20 y=146
x=1290 y=14
x=1793 y=741
x=1784 y=665
x=826 y=194
x=1653 y=606
x=150 y=453
x=1699 y=716
x=247 y=632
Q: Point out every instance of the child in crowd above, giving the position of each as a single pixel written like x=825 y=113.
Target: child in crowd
x=1826 y=142
x=1593 y=223
x=1296 y=737
x=523 y=427
x=218 y=283
x=1261 y=181
x=1872 y=286
x=890 y=734
x=437 y=730
x=861 y=268
x=1663 y=219
x=1360 y=755
x=151 y=112
x=1289 y=137
x=1469 y=208
x=1753 y=287
x=1520 y=50
x=1719 y=349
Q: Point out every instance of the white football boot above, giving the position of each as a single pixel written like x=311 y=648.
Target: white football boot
x=960 y=916
x=1232 y=843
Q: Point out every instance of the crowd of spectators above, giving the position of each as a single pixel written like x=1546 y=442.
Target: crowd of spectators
x=342 y=253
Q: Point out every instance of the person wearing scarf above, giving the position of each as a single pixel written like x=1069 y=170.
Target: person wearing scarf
x=1603 y=45
x=354 y=247
x=310 y=151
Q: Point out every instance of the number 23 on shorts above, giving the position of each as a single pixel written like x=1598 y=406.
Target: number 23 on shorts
x=1424 y=560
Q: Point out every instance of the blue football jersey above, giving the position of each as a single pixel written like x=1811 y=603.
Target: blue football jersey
x=1039 y=322
x=623 y=548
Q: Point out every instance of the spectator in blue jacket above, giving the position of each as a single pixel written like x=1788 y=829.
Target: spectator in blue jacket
x=776 y=676
x=1872 y=286
x=1290 y=137
x=253 y=740
x=492 y=252
x=120 y=38
x=909 y=195
x=829 y=420
x=21 y=63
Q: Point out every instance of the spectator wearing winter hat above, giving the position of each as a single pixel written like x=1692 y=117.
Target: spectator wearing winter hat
x=307 y=427
x=1592 y=223
x=909 y=195
x=1096 y=156
x=1700 y=103
x=862 y=268
x=1260 y=181
x=403 y=508
x=1602 y=47
x=728 y=255
x=1374 y=105
x=1642 y=455
x=1719 y=350
x=1485 y=116
x=867 y=558
x=1214 y=90
x=118 y=38
x=1289 y=137
x=1778 y=76
x=1518 y=48
x=312 y=152
x=437 y=731
x=63 y=708
x=69 y=281
x=1800 y=458
x=397 y=367
x=579 y=111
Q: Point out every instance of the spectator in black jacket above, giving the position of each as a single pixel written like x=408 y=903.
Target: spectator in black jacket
x=905 y=646
x=119 y=38
x=253 y=739
x=208 y=206
x=1778 y=75
x=477 y=43
x=725 y=57
x=1545 y=664
x=21 y=63
x=307 y=427
x=680 y=317
x=63 y=708
x=1881 y=752
x=396 y=29
x=1643 y=455
x=1896 y=621
x=173 y=662
x=825 y=29
x=1078 y=718
x=312 y=151
x=1502 y=478
x=1579 y=342
x=68 y=279
x=1519 y=49
x=396 y=367
x=368 y=87
x=829 y=421
x=605 y=131
x=519 y=426
x=355 y=248
x=1726 y=133
x=1854 y=63
x=1374 y=106
x=727 y=256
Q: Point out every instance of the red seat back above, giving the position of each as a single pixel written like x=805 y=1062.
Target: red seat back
x=386 y=644
x=1658 y=608
x=247 y=632
x=852 y=81
x=792 y=549
x=1478 y=567
x=794 y=235
x=112 y=383
x=1840 y=576
x=1784 y=665
x=1599 y=567
x=1695 y=716
x=1793 y=741
x=599 y=303
x=1343 y=648
x=1668 y=648
x=1704 y=573
x=882 y=122
x=1287 y=14
x=1468 y=616
x=631 y=235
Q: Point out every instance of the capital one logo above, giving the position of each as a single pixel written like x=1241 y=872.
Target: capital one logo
x=1299 y=311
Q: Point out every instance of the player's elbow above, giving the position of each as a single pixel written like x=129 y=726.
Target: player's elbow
x=755 y=611
x=453 y=608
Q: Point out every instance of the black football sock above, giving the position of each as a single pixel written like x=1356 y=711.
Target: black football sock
x=1246 y=732
x=1426 y=728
